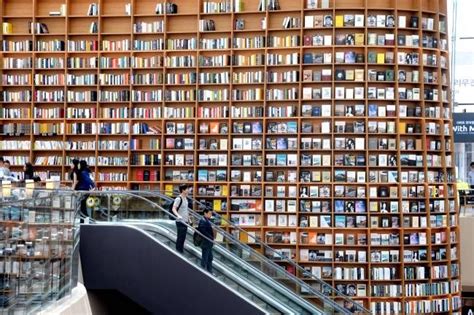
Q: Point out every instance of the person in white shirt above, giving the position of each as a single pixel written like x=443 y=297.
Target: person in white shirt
x=181 y=212
x=5 y=172
x=6 y=169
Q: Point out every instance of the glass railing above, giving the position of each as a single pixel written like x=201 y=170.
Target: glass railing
x=323 y=295
x=38 y=248
x=41 y=222
x=127 y=207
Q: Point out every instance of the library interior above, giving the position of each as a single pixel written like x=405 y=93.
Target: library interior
x=246 y=156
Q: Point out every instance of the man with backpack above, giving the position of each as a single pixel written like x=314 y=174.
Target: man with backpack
x=205 y=227
x=180 y=210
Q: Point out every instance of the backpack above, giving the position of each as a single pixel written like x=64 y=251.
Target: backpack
x=170 y=208
x=197 y=238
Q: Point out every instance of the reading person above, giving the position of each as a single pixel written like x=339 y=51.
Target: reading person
x=180 y=210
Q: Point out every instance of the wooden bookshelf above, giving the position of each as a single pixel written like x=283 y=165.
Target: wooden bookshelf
x=303 y=110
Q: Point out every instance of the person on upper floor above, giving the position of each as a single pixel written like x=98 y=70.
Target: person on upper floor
x=6 y=169
x=84 y=181
x=29 y=172
x=75 y=173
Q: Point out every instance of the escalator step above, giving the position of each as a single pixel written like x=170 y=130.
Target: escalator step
x=161 y=238
x=233 y=285
x=188 y=255
x=262 y=304
x=246 y=292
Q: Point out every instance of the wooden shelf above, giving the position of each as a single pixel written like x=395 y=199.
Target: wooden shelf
x=248 y=171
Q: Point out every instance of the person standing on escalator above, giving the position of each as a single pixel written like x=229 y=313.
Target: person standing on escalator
x=205 y=227
x=180 y=210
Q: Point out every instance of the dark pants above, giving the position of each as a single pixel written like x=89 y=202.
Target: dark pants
x=181 y=231
x=206 y=259
x=83 y=209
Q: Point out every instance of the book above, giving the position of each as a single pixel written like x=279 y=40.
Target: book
x=359 y=20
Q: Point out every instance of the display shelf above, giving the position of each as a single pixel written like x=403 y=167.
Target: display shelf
x=318 y=125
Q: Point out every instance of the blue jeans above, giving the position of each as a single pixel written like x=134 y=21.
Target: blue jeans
x=206 y=259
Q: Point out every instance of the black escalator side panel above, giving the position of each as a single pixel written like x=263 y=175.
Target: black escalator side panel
x=131 y=262
x=112 y=302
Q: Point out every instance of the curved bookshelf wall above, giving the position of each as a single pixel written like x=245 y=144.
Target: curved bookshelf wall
x=323 y=127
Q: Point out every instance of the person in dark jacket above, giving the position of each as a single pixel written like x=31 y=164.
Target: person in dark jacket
x=84 y=183
x=29 y=172
x=205 y=227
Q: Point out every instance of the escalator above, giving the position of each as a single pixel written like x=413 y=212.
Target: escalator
x=261 y=290
x=240 y=269
x=126 y=259
x=234 y=272
x=230 y=230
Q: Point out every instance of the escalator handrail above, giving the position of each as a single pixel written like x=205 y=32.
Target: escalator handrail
x=156 y=228
x=338 y=294
x=310 y=289
x=222 y=251
x=143 y=231
x=238 y=243
x=246 y=247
